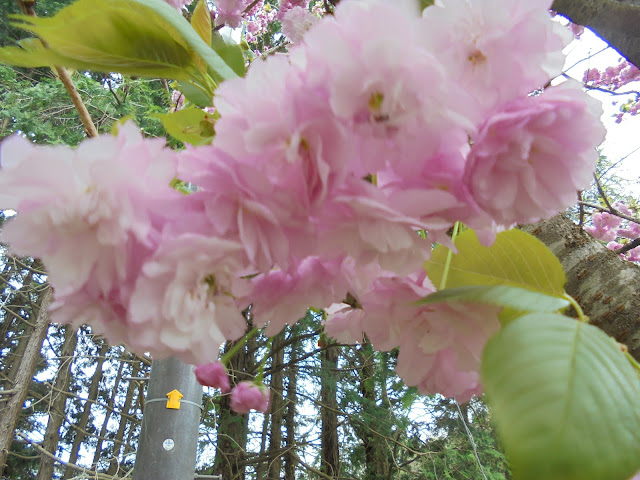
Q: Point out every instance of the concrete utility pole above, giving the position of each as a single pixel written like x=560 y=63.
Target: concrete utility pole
x=168 y=443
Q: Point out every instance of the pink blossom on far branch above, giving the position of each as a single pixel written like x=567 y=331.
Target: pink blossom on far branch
x=214 y=375
x=248 y=396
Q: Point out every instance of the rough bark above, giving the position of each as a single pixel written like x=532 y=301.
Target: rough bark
x=80 y=436
x=605 y=286
x=57 y=404
x=615 y=21
x=11 y=412
x=277 y=407
x=328 y=412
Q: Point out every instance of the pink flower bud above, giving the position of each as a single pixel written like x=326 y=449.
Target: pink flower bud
x=213 y=375
x=249 y=396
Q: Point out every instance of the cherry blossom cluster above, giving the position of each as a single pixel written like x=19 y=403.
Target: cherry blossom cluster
x=613 y=78
x=613 y=229
x=330 y=166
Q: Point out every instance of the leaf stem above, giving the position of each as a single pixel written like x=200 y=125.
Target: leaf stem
x=581 y=316
x=447 y=264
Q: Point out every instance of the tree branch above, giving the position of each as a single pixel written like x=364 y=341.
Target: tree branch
x=604 y=285
x=90 y=129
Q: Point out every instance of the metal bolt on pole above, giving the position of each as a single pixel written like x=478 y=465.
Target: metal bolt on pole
x=168 y=443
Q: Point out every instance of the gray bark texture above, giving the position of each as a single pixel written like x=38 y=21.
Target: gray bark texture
x=615 y=21
x=13 y=408
x=605 y=286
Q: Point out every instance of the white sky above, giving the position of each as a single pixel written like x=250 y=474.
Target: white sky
x=623 y=140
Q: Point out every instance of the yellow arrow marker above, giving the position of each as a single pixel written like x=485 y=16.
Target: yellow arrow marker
x=174 y=399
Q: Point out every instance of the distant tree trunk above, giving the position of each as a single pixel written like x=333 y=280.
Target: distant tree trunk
x=107 y=416
x=328 y=412
x=230 y=460
x=80 y=436
x=11 y=412
x=277 y=407
x=57 y=403
x=290 y=460
x=375 y=450
x=118 y=440
x=262 y=466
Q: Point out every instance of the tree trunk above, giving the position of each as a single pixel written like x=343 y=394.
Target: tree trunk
x=277 y=407
x=80 y=436
x=290 y=460
x=328 y=411
x=11 y=412
x=615 y=21
x=376 y=461
x=57 y=403
x=262 y=466
x=107 y=415
x=605 y=286
x=232 y=427
x=114 y=462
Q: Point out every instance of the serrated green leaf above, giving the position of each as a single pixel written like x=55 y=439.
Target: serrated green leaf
x=133 y=37
x=499 y=295
x=516 y=258
x=564 y=399
x=230 y=51
x=189 y=125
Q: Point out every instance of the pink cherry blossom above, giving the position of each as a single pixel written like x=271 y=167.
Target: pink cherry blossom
x=529 y=158
x=447 y=342
x=474 y=40
x=375 y=81
x=282 y=297
x=229 y=12
x=286 y=6
x=214 y=375
x=240 y=203
x=296 y=22
x=634 y=255
x=290 y=135
x=604 y=226
x=183 y=303
x=93 y=215
x=248 y=396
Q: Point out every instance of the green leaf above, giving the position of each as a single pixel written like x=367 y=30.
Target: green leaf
x=134 y=37
x=195 y=94
x=499 y=295
x=230 y=52
x=516 y=258
x=189 y=125
x=564 y=399
x=425 y=3
x=201 y=21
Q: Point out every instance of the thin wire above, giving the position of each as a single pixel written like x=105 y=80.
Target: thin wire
x=471 y=440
